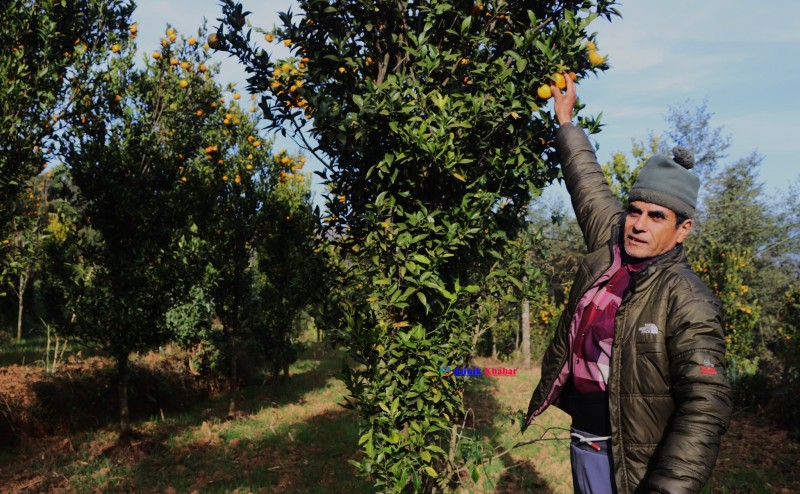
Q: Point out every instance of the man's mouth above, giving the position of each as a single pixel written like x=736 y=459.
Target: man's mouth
x=634 y=240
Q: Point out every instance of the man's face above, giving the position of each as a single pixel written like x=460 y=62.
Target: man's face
x=650 y=230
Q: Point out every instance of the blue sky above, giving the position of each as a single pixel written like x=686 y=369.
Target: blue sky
x=741 y=58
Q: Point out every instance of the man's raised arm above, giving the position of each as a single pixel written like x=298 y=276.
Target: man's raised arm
x=596 y=208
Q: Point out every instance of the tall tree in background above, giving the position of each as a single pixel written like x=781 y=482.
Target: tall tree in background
x=231 y=184
x=433 y=138
x=733 y=226
x=22 y=249
x=47 y=46
x=690 y=127
x=135 y=149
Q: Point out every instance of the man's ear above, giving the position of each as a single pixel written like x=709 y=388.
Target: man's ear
x=684 y=229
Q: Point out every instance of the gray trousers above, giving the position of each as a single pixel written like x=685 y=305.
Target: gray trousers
x=592 y=465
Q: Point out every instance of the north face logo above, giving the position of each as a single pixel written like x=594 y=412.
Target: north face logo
x=649 y=328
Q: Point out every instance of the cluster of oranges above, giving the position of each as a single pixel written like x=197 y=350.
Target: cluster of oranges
x=288 y=83
x=558 y=80
x=289 y=166
x=595 y=58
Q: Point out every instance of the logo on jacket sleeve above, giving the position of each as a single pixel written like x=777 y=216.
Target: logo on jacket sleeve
x=707 y=369
x=649 y=328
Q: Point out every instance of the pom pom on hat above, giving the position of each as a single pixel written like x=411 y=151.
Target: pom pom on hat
x=683 y=157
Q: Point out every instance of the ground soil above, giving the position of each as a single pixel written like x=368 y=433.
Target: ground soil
x=39 y=413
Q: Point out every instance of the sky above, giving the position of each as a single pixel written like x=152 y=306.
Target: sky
x=738 y=57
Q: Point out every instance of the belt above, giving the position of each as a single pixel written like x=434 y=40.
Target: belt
x=591 y=440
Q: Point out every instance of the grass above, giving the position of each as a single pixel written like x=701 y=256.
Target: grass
x=27 y=351
x=541 y=467
x=297 y=439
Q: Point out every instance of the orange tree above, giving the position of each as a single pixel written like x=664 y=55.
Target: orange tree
x=135 y=147
x=21 y=251
x=427 y=119
x=291 y=272
x=232 y=179
x=47 y=46
x=251 y=207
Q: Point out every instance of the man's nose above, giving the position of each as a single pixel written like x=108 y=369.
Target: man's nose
x=640 y=224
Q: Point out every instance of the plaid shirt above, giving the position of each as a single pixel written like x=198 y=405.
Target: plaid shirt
x=591 y=350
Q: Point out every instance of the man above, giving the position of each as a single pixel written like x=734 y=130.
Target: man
x=637 y=359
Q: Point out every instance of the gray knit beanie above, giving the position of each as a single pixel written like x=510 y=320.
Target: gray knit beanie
x=667 y=181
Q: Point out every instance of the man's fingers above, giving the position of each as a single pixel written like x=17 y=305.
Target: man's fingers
x=555 y=92
x=570 y=83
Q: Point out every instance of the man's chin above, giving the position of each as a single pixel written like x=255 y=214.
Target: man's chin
x=636 y=251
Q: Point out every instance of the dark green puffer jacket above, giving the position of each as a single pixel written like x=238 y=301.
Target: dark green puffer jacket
x=669 y=399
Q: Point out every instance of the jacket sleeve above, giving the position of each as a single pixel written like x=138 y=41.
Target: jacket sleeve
x=702 y=396
x=596 y=208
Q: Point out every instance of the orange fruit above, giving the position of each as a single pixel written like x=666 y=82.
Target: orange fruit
x=156 y=55
x=199 y=113
x=559 y=81
x=269 y=37
x=287 y=42
x=573 y=76
x=183 y=83
x=115 y=48
x=183 y=179
x=214 y=42
x=596 y=58
x=191 y=41
x=591 y=46
x=133 y=29
x=173 y=61
x=544 y=91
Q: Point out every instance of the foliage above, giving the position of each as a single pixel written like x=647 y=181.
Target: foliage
x=291 y=270
x=433 y=138
x=723 y=269
x=134 y=137
x=21 y=252
x=46 y=49
x=787 y=349
x=734 y=224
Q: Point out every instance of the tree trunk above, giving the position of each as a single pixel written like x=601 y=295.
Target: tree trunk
x=525 y=328
x=122 y=390
x=494 y=345
x=233 y=381
x=23 y=284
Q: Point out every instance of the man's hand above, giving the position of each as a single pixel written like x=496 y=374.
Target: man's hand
x=564 y=102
